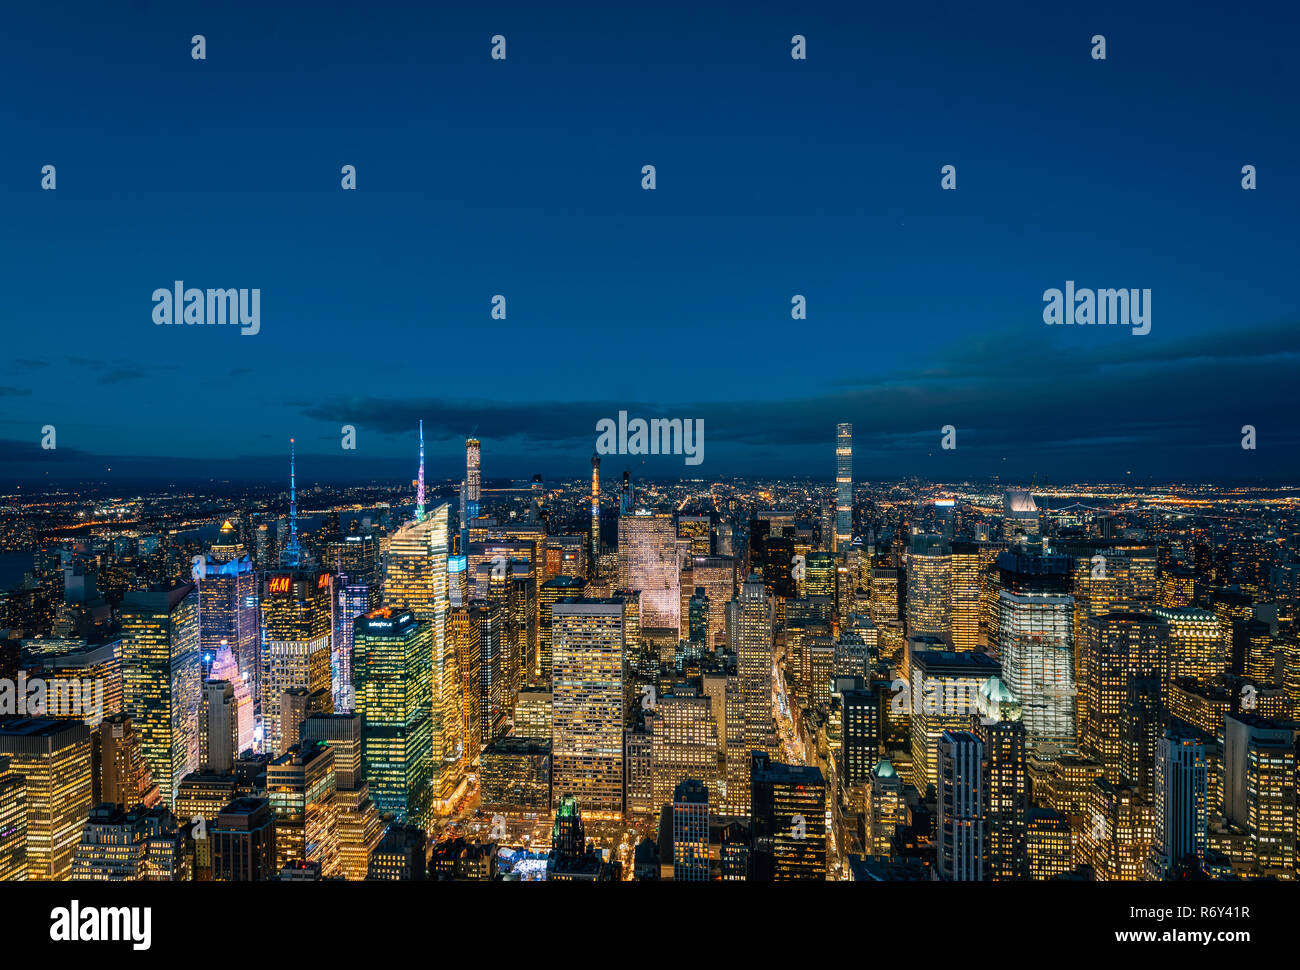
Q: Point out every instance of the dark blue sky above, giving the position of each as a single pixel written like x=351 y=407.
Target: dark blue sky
x=775 y=177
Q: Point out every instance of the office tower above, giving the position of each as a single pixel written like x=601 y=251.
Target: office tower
x=697 y=532
x=1019 y=514
x=1181 y=801
x=400 y=855
x=1006 y=783
x=1036 y=646
x=1116 y=838
x=886 y=808
x=944 y=686
x=690 y=808
x=1259 y=789
x=1195 y=644
x=595 y=514
x=492 y=685
x=967 y=583
x=843 y=486
x=228 y=623
x=929 y=586
x=54 y=760
x=533 y=713
x=355 y=600
x=684 y=742
x=358 y=824
x=515 y=774
x=295 y=707
x=219 y=730
x=225 y=667
x=961 y=821
x=587 y=701
x=393 y=652
x=860 y=734
x=466 y=636
x=1048 y=845
x=161 y=679
x=788 y=806
x=638 y=754
x=1140 y=725
x=1175 y=588
x=1120 y=646
x=243 y=842
x=300 y=785
x=885 y=601
x=749 y=622
x=200 y=800
x=697 y=609
x=626 y=498
x=297 y=631
x=124 y=776
x=141 y=845
x=416 y=580
x=13 y=824
x=647 y=562
x=716 y=575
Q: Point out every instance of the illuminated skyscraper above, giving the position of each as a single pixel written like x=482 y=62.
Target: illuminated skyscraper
x=1121 y=646
x=1181 y=801
x=300 y=784
x=647 y=562
x=394 y=692
x=1036 y=646
x=684 y=742
x=219 y=729
x=13 y=824
x=961 y=823
x=789 y=817
x=243 y=842
x=595 y=514
x=53 y=758
x=690 y=808
x=554 y=589
x=297 y=632
x=587 y=701
x=929 y=586
x=473 y=479
x=124 y=776
x=749 y=622
x=228 y=621
x=161 y=676
x=417 y=580
x=843 y=486
x=291 y=554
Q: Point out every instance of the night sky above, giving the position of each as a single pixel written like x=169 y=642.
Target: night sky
x=775 y=177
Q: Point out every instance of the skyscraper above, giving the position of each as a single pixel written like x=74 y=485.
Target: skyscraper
x=161 y=676
x=53 y=759
x=843 y=486
x=394 y=693
x=690 y=808
x=788 y=806
x=961 y=852
x=750 y=632
x=647 y=562
x=587 y=702
x=297 y=633
x=595 y=515
x=228 y=622
x=1181 y=801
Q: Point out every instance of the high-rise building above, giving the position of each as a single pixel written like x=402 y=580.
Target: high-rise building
x=243 y=842
x=1120 y=646
x=684 y=742
x=1036 y=645
x=929 y=587
x=1181 y=801
x=228 y=623
x=690 y=808
x=161 y=677
x=843 y=486
x=13 y=824
x=647 y=562
x=141 y=845
x=1006 y=784
x=53 y=758
x=392 y=652
x=961 y=820
x=595 y=515
x=716 y=575
x=301 y=785
x=788 y=807
x=416 y=580
x=297 y=633
x=945 y=687
x=219 y=728
x=1259 y=789
x=124 y=778
x=587 y=702
x=967 y=584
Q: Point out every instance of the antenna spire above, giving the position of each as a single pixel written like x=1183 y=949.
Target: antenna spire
x=419 y=488
x=292 y=553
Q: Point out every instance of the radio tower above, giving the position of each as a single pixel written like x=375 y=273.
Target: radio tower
x=419 y=487
x=292 y=554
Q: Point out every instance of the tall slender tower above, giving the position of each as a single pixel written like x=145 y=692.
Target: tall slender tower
x=843 y=486
x=419 y=487
x=595 y=512
x=473 y=478
x=292 y=554
x=625 y=501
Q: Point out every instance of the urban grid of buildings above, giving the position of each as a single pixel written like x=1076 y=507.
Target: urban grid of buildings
x=694 y=680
